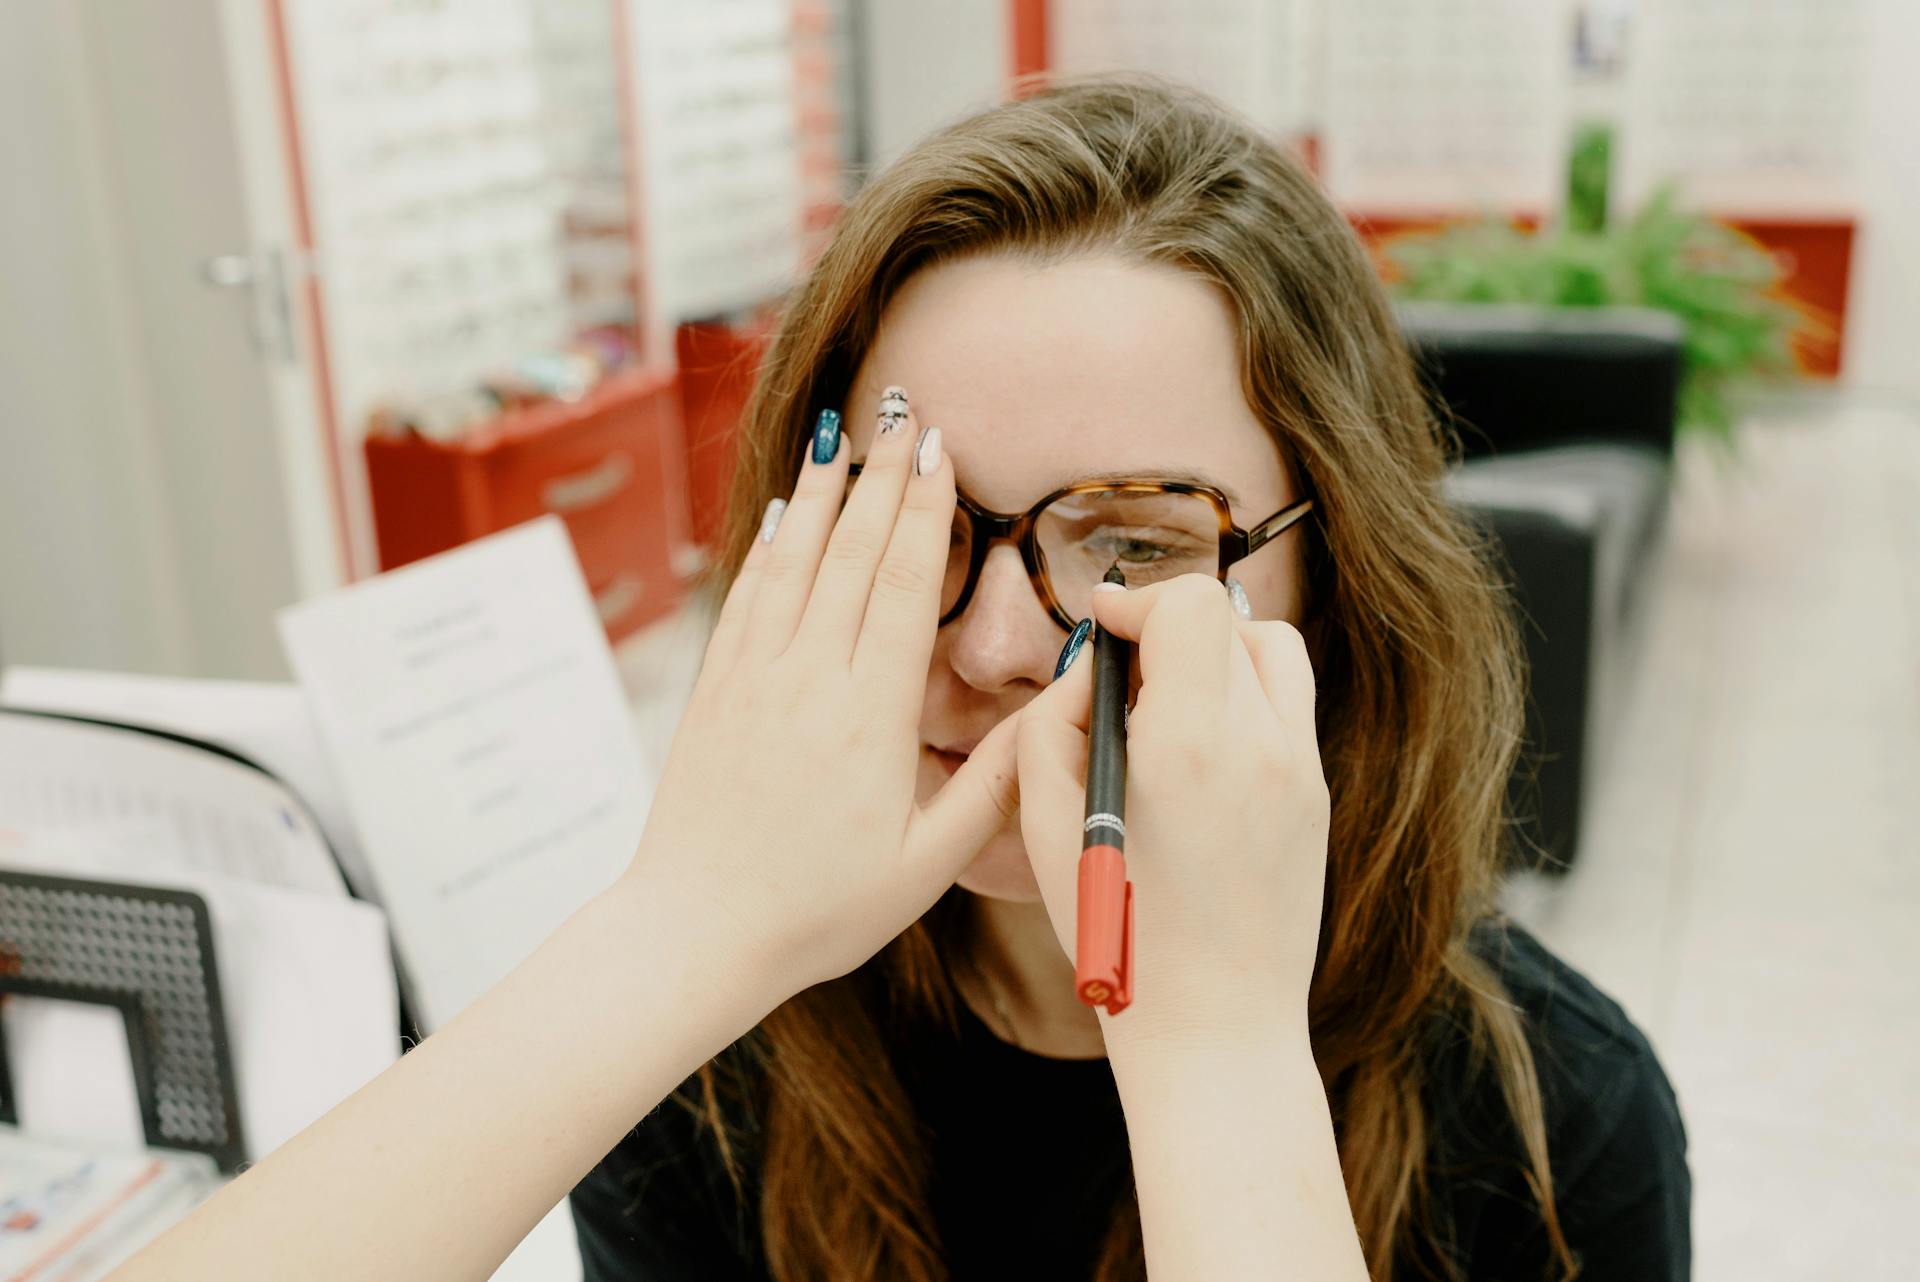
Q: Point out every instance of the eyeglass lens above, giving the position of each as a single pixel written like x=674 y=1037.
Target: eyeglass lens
x=1077 y=537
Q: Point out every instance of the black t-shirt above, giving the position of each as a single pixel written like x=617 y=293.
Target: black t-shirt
x=1029 y=1156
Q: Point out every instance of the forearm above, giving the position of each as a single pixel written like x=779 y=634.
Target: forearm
x=1234 y=1160
x=438 y=1167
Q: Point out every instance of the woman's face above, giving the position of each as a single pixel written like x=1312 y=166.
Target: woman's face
x=1041 y=375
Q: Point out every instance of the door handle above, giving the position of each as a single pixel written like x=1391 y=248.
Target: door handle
x=265 y=277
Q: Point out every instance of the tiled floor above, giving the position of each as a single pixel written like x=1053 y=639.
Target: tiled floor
x=1749 y=884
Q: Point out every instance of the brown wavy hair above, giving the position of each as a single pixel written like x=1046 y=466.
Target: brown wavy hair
x=1419 y=703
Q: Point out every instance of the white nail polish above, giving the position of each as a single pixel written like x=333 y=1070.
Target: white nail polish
x=926 y=455
x=770 y=519
x=1237 y=595
x=893 y=410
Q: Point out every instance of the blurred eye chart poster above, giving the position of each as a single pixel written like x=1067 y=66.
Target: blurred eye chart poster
x=1439 y=106
x=1754 y=107
x=1256 y=55
x=439 y=187
x=723 y=161
x=471 y=708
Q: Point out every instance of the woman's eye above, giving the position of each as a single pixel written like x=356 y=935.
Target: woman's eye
x=1140 y=551
x=1133 y=549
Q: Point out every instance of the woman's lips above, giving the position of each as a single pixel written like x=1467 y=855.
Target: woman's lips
x=951 y=759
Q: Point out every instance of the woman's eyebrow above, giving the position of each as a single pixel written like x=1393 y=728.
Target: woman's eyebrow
x=1160 y=474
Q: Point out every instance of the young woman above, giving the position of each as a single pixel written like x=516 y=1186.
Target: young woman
x=1145 y=338
x=1092 y=292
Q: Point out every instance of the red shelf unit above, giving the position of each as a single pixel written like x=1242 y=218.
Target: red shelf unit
x=718 y=364
x=612 y=466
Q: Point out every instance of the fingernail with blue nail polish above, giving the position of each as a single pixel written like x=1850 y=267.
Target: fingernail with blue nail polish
x=826 y=436
x=1071 y=650
x=770 y=520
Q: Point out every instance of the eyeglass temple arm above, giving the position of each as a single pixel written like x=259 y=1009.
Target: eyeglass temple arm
x=1260 y=535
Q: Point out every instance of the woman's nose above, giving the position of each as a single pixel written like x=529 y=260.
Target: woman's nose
x=1005 y=634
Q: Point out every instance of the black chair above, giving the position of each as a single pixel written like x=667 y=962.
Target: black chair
x=1567 y=419
x=1517 y=378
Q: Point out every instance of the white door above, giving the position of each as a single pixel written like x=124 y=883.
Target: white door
x=160 y=494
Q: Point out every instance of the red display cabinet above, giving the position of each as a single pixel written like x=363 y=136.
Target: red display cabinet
x=611 y=466
x=718 y=364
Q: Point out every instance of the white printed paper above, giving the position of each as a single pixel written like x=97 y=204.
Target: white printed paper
x=71 y=1214
x=472 y=710
x=208 y=814
x=264 y=721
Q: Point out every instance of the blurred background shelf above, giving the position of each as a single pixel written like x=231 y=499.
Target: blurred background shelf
x=610 y=466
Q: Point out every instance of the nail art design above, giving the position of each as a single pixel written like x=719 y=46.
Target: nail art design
x=826 y=436
x=1237 y=595
x=770 y=519
x=893 y=410
x=1071 y=650
x=926 y=455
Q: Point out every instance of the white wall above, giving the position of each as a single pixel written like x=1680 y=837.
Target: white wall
x=929 y=62
x=86 y=557
x=170 y=153
x=143 y=525
x=1883 y=323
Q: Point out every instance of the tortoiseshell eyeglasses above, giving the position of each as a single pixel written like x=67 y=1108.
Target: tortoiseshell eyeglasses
x=1155 y=529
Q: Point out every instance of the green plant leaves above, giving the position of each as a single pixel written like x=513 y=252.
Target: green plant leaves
x=1722 y=286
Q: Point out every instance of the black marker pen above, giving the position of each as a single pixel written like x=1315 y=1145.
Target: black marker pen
x=1103 y=955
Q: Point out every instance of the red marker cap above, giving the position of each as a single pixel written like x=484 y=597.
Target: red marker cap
x=1103 y=965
